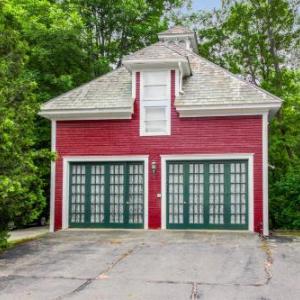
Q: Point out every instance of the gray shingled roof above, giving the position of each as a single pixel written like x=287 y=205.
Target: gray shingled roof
x=158 y=50
x=112 y=90
x=176 y=30
x=208 y=85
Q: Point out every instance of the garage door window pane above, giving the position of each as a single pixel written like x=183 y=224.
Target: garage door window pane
x=196 y=193
x=136 y=193
x=116 y=194
x=77 y=212
x=238 y=209
x=175 y=189
x=97 y=193
x=216 y=193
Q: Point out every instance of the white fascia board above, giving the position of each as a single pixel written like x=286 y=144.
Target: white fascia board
x=139 y=64
x=225 y=110
x=60 y=115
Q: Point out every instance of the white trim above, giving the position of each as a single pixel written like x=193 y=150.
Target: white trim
x=52 y=178
x=246 y=156
x=265 y=175
x=66 y=169
x=145 y=64
x=225 y=110
x=133 y=84
x=166 y=103
x=87 y=114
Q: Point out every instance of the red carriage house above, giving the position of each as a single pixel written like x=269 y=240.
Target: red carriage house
x=167 y=141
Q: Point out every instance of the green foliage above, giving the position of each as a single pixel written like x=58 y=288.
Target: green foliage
x=21 y=188
x=115 y=28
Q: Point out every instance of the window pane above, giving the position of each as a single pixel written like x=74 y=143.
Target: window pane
x=156 y=126
x=155 y=119
x=155 y=113
x=155 y=78
x=155 y=92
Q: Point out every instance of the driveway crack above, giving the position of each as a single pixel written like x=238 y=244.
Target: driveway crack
x=101 y=275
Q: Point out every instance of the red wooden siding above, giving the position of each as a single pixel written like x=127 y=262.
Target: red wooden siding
x=218 y=135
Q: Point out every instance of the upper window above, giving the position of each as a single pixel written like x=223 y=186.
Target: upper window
x=155 y=103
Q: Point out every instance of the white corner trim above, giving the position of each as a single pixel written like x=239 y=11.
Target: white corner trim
x=66 y=169
x=52 y=178
x=238 y=156
x=133 y=84
x=265 y=175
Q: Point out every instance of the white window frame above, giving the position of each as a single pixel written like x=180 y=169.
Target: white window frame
x=155 y=103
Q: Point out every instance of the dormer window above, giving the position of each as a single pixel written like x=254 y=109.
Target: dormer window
x=155 y=103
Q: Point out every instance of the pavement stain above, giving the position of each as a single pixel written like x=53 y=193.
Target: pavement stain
x=195 y=294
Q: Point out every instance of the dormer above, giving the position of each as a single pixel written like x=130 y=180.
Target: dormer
x=154 y=65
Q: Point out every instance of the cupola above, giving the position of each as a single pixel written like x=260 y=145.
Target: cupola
x=181 y=36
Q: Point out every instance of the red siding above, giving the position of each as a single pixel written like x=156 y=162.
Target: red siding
x=242 y=134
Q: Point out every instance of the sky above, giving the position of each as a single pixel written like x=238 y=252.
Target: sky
x=206 y=4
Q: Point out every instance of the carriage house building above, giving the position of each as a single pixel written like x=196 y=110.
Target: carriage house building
x=167 y=141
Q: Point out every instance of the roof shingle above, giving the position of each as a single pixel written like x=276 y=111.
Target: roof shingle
x=112 y=90
x=208 y=85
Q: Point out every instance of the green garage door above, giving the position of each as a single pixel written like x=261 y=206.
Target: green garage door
x=207 y=194
x=106 y=194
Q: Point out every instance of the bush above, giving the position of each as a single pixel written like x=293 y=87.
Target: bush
x=285 y=200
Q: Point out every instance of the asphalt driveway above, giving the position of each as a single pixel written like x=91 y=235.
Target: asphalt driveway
x=151 y=265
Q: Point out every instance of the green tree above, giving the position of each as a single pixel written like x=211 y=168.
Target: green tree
x=116 y=28
x=21 y=188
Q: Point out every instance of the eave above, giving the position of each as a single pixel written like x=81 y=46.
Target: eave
x=87 y=114
x=139 y=64
x=190 y=111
